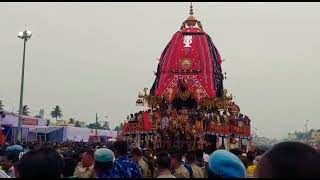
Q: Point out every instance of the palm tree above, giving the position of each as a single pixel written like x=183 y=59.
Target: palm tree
x=1 y=105
x=25 y=110
x=71 y=120
x=106 y=125
x=95 y=125
x=77 y=124
x=56 y=112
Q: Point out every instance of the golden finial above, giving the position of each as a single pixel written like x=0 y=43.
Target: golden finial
x=191 y=9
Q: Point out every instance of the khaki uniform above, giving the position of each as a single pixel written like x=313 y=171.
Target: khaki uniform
x=166 y=174
x=181 y=172
x=82 y=172
x=197 y=171
x=144 y=167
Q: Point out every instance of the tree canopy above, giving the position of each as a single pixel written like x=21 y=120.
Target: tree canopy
x=1 y=105
x=25 y=110
x=72 y=120
x=77 y=124
x=56 y=112
x=119 y=127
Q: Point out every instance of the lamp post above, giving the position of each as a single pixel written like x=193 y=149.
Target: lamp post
x=96 y=124
x=305 y=131
x=25 y=35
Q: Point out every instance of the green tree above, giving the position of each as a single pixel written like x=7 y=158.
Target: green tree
x=25 y=110
x=77 y=124
x=106 y=125
x=95 y=125
x=56 y=112
x=119 y=128
x=48 y=122
x=72 y=121
x=1 y=105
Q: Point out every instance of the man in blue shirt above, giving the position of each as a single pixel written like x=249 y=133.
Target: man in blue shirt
x=125 y=167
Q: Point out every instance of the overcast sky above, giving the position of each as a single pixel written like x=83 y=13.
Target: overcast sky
x=95 y=57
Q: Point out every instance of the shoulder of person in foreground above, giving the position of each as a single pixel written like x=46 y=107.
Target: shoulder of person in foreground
x=181 y=172
x=4 y=174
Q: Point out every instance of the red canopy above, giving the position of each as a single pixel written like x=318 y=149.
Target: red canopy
x=191 y=57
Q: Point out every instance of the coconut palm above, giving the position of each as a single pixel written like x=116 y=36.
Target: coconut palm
x=77 y=124
x=25 y=110
x=1 y=105
x=56 y=112
x=106 y=125
x=72 y=120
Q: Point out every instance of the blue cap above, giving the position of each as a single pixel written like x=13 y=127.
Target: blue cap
x=103 y=155
x=16 y=148
x=227 y=165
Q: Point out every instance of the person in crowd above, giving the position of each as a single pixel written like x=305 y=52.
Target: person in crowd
x=70 y=165
x=84 y=168
x=244 y=160
x=137 y=157
x=289 y=160
x=176 y=164
x=187 y=164
x=3 y=174
x=201 y=162
x=3 y=160
x=164 y=121
x=13 y=153
x=236 y=152
x=197 y=172
x=164 y=164
x=104 y=163
x=124 y=166
x=44 y=163
x=252 y=166
x=223 y=164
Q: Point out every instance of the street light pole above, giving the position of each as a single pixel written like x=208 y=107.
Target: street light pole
x=25 y=36
x=305 y=131
x=96 y=124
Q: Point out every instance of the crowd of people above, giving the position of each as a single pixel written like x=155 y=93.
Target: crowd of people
x=166 y=117
x=184 y=126
x=118 y=160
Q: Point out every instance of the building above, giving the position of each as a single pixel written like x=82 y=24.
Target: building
x=9 y=122
x=34 y=128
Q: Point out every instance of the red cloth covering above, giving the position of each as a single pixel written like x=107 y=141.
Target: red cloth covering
x=125 y=127
x=2 y=137
x=147 y=121
x=200 y=76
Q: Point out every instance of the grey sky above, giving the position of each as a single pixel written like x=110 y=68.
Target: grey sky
x=95 y=57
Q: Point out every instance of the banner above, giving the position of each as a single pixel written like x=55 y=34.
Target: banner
x=29 y=121
x=147 y=121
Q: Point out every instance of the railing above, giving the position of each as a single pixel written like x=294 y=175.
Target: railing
x=222 y=130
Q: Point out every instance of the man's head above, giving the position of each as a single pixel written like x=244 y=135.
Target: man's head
x=136 y=154
x=147 y=152
x=40 y=163
x=163 y=160
x=289 y=159
x=176 y=157
x=104 y=159
x=87 y=158
x=191 y=157
x=236 y=151
x=250 y=157
x=120 y=148
x=223 y=164
x=199 y=155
